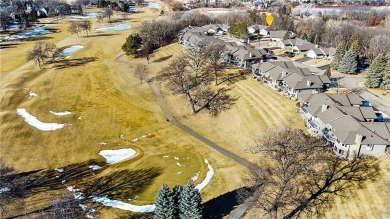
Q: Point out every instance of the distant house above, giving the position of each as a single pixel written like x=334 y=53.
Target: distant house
x=277 y=35
x=216 y=29
x=324 y=53
x=303 y=48
x=284 y=44
x=257 y=30
x=329 y=52
x=288 y=79
x=243 y=56
x=295 y=84
x=315 y=53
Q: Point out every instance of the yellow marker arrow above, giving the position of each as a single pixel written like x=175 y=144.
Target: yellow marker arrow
x=269 y=18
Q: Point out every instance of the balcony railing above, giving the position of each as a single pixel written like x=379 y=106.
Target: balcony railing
x=329 y=136
x=313 y=124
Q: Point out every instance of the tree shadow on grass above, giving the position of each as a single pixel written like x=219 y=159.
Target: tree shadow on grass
x=162 y=59
x=102 y=35
x=119 y=185
x=122 y=184
x=9 y=45
x=223 y=205
x=67 y=63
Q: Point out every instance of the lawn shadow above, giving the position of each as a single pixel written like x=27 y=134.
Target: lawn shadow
x=162 y=59
x=9 y=45
x=66 y=63
x=102 y=35
x=122 y=184
x=223 y=205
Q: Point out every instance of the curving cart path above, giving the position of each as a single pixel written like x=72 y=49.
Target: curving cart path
x=240 y=210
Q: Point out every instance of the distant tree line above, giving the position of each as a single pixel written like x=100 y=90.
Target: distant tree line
x=161 y=32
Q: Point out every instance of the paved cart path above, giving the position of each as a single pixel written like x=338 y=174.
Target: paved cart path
x=240 y=210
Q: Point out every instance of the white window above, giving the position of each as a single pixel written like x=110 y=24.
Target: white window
x=370 y=147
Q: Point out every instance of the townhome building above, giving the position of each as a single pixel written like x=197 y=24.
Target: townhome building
x=348 y=122
x=288 y=79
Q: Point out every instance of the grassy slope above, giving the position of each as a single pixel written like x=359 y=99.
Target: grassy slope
x=259 y=108
x=109 y=101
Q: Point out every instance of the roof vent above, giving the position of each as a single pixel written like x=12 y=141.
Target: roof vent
x=324 y=107
x=308 y=83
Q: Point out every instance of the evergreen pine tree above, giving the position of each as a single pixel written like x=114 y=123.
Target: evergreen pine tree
x=375 y=72
x=286 y=35
x=176 y=198
x=386 y=74
x=348 y=63
x=340 y=51
x=328 y=72
x=190 y=203
x=164 y=204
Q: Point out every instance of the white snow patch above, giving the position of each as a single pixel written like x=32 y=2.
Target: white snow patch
x=178 y=172
x=71 y=189
x=103 y=143
x=32 y=94
x=33 y=121
x=194 y=178
x=113 y=156
x=60 y=170
x=78 y=196
x=79 y=117
x=70 y=50
x=166 y=156
x=5 y=189
x=94 y=167
x=134 y=140
x=83 y=207
x=121 y=136
x=122 y=205
x=176 y=158
x=209 y=175
x=143 y=136
x=147 y=208
x=179 y=164
x=63 y=181
x=61 y=113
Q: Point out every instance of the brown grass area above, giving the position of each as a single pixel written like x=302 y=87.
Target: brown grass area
x=106 y=100
x=370 y=202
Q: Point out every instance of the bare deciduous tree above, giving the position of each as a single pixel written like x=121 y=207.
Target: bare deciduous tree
x=74 y=28
x=140 y=70
x=181 y=79
x=303 y=175
x=213 y=55
x=38 y=54
x=86 y=25
x=379 y=44
x=108 y=12
x=197 y=60
x=67 y=206
x=52 y=50
x=124 y=15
